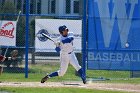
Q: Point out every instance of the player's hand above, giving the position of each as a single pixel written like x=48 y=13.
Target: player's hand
x=57 y=49
x=57 y=43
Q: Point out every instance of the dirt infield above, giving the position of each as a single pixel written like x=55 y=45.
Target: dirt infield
x=134 y=88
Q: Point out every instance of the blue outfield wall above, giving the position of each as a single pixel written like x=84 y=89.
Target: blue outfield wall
x=114 y=34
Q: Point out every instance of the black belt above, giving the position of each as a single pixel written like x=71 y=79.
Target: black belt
x=70 y=52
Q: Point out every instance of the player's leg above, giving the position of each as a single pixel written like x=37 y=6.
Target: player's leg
x=64 y=65
x=49 y=76
x=75 y=64
x=64 y=61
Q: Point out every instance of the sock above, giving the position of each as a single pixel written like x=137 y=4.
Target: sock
x=80 y=71
x=53 y=74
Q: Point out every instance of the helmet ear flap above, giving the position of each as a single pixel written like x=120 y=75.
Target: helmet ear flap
x=61 y=32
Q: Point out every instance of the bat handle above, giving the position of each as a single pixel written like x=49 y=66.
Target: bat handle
x=5 y=51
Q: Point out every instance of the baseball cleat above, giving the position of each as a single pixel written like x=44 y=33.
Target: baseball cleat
x=44 y=79
x=84 y=81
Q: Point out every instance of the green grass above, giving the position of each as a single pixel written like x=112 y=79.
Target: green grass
x=36 y=72
x=108 y=74
x=39 y=71
x=54 y=90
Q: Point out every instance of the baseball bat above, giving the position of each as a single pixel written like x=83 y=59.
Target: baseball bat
x=6 y=51
x=18 y=16
x=48 y=37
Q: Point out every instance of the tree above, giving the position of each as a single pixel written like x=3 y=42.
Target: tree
x=7 y=7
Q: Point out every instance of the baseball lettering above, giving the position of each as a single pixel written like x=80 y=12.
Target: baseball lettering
x=114 y=57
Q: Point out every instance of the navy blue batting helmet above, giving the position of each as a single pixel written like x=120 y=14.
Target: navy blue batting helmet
x=62 y=28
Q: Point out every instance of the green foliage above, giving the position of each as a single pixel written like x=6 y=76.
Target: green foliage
x=8 y=7
x=20 y=40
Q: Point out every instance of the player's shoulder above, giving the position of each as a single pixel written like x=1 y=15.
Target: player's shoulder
x=70 y=33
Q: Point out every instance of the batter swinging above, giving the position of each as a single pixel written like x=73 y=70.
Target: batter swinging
x=65 y=47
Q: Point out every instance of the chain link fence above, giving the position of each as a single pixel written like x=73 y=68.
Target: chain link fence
x=39 y=63
x=46 y=60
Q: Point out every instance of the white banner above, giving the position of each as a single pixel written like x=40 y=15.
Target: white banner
x=50 y=26
x=7 y=33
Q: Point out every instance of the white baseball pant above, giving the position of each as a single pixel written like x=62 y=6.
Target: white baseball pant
x=65 y=59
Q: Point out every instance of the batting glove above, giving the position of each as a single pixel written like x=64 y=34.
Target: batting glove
x=57 y=49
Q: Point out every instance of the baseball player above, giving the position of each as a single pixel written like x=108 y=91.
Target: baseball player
x=67 y=55
x=14 y=53
x=2 y=58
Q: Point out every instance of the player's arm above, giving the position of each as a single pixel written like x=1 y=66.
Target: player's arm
x=3 y=58
x=57 y=43
x=8 y=58
x=69 y=39
x=14 y=54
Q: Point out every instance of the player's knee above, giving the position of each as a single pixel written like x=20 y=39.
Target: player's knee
x=61 y=73
x=78 y=67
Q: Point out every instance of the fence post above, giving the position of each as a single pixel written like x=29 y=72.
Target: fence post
x=84 y=35
x=33 y=55
x=26 y=44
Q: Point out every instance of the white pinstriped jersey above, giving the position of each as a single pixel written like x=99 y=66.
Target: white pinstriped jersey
x=67 y=47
